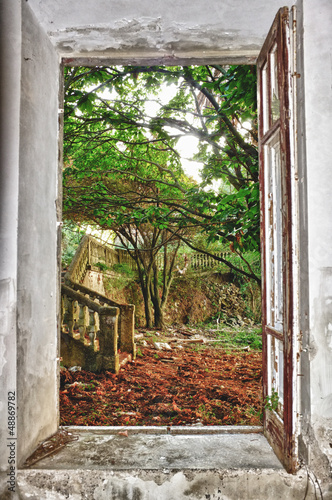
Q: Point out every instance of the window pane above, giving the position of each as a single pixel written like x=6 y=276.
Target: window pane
x=275 y=102
x=273 y=231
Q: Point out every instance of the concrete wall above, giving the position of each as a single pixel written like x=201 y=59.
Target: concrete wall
x=164 y=32
x=37 y=238
x=10 y=64
x=195 y=484
x=317 y=75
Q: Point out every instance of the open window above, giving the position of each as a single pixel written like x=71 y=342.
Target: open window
x=279 y=210
x=279 y=236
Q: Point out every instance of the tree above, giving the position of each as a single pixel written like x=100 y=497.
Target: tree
x=145 y=244
x=123 y=169
x=131 y=209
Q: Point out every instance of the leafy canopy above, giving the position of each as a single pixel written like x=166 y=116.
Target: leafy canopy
x=122 y=165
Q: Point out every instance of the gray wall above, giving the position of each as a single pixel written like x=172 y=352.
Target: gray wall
x=37 y=238
x=317 y=19
x=164 y=32
x=10 y=64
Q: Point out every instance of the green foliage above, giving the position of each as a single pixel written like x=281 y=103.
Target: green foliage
x=101 y=266
x=251 y=337
x=88 y=387
x=234 y=338
x=71 y=237
x=124 y=277
x=123 y=171
x=272 y=402
x=124 y=268
x=252 y=257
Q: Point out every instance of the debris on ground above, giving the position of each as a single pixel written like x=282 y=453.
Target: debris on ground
x=50 y=446
x=192 y=383
x=162 y=346
x=75 y=369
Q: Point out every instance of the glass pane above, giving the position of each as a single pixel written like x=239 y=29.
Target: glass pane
x=273 y=231
x=265 y=98
x=281 y=373
x=275 y=102
x=276 y=374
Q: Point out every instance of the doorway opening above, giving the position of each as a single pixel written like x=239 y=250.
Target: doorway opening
x=188 y=247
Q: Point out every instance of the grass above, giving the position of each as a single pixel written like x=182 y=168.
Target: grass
x=123 y=275
x=101 y=266
x=232 y=337
x=224 y=336
x=241 y=338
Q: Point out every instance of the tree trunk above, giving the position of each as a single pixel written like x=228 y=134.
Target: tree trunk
x=159 y=320
x=156 y=300
x=147 y=308
x=145 y=282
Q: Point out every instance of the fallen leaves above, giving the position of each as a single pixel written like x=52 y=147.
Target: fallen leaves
x=207 y=387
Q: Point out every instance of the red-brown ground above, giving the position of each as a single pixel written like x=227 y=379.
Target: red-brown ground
x=178 y=387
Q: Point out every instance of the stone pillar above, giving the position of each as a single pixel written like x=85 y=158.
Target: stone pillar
x=127 y=343
x=108 y=338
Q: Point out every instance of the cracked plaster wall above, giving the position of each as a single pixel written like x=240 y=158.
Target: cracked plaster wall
x=316 y=70
x=10 y=63
x=37 y=287
x=231 y=30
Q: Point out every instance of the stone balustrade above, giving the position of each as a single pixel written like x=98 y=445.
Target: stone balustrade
x=97 y=333
x=89 y=332
x=92 y=252
x=202 y=261
x=81 y=261
x=126 y=319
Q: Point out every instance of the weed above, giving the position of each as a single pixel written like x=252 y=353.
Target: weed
x=88 y=387
x=124 y=269
x=252 y=337
x=205 y=413
x=101 y=266
x=253 y=412
x=272 y=402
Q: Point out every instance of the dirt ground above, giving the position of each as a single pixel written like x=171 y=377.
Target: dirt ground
x=187 y=382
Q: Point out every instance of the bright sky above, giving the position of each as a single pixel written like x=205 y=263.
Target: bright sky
x=187 y=146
